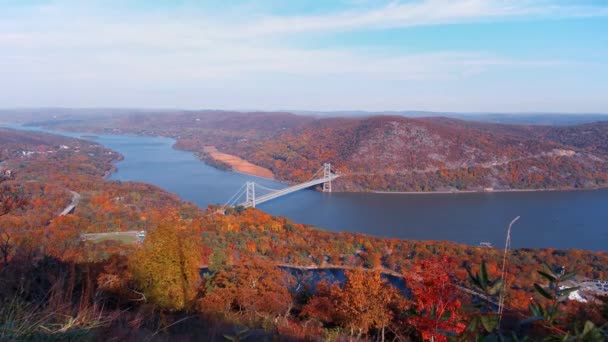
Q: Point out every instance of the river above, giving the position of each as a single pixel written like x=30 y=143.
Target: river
x=556 y=219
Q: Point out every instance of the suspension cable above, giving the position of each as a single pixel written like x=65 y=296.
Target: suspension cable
x=267 y=188
x=236 y=199
x=235 y=196
x=315 y=175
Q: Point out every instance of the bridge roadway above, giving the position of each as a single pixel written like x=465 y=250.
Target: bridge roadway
x=283 y=192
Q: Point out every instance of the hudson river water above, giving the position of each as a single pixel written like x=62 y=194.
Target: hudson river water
x=556 y=219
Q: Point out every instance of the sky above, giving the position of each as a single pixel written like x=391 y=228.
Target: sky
x=375 y=55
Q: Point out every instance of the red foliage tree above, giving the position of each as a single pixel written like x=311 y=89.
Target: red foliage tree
x=436 y=298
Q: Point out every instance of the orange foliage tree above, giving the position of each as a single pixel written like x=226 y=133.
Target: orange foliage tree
x=253 y=287
x=365 y=302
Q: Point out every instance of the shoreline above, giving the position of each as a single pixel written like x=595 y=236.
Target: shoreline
x=456 y=192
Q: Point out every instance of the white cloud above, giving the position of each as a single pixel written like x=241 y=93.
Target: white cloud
x=70 y=43
x=406 y=14
x=239 y=25
x=153 y=47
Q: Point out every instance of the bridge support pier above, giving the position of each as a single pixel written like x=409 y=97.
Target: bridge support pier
x=327 y=176
x=250 y=194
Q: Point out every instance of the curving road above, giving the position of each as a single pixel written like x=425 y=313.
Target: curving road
x=70 y=208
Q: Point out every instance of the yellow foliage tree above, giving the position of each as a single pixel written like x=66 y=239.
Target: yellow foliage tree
x=166 y=267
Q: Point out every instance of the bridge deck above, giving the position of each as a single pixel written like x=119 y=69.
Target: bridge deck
x=286 y=191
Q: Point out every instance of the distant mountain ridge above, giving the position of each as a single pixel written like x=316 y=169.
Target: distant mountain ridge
x=524 y=118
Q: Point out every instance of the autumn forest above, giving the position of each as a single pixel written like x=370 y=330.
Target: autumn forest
x=242 y=274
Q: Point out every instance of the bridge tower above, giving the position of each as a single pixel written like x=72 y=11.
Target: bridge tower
x=250 y=194
x=327 y=177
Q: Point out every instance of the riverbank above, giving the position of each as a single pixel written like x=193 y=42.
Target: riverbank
x=456 y=192
x=234 y=163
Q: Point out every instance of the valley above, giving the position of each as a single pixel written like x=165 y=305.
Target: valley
x=304 y=171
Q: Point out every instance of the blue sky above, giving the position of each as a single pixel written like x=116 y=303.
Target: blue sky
x=439 y=55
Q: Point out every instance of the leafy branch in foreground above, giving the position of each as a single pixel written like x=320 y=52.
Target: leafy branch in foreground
x=485 y=319
x=484 y=324
x=556 y=293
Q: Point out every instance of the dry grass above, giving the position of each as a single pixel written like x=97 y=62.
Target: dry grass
x=21 y=321
x=53 y=317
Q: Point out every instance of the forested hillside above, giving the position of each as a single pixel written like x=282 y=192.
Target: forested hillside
x=387 y=153
x=593 y=137
x=128 y=290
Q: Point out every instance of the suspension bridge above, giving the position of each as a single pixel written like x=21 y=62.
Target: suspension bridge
x=324 y=176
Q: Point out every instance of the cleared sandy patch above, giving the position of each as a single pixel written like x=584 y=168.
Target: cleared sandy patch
x=238 y=164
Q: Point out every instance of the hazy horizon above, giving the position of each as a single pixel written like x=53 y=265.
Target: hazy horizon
x=467 y=56
x=294 y=111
